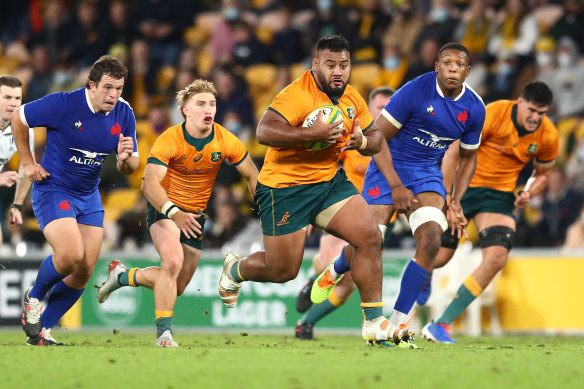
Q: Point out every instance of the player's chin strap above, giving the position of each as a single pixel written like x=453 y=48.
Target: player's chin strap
x=427 y=214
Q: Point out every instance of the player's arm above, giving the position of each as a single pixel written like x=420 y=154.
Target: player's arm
x=127 y=163
x=274 y=130
x=536 y=183
x=249 y=171
x=462 y=177
x=401 y=196
x=366 y=144
x=22 y=187
x=156 y=195
x=33 y=171
x=448 y=166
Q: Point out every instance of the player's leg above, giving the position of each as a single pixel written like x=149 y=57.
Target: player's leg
x=428 y=223
x=497 y=233
x=66 y=292
x=66 y=240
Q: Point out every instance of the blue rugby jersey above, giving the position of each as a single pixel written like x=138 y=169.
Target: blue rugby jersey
x=429 y=122
x=78 y=139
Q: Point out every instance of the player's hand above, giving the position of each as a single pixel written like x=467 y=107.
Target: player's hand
x=35 y=172
x=188 y=224
x=125 y=147
x=323 y=132
x=8 y=178
x=15 y=217
x=402 y=198
x=522 y=199
x=356 y=140
x=456 y=220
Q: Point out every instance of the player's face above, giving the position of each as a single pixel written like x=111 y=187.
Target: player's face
x=530 y=115
x=106 y=93
x=452 y=69
x=332 y=71
x=377 y=104
x=200 y=110
x=10 y=100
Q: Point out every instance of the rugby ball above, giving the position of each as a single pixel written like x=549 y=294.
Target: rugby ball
x=330 y=114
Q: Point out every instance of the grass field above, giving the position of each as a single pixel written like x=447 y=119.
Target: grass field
x=105 y=360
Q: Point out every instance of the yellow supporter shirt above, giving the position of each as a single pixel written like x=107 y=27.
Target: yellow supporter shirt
x=193 y=163
x=506 y=147
x=355 y=165
x=298 y=165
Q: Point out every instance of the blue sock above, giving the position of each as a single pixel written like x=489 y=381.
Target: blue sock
x=60 y=300
x=46 y=278
x=341 y=265
x=412 y=283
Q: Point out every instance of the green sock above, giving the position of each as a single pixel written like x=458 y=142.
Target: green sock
x=372 y=310
x=235 y=272
x=125 y=280
x=163 y=324
x=463 y=298
x=317 y=312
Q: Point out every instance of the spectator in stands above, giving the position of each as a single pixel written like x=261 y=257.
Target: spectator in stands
x=516 y=31
x=87 y=35
x=55 y=34
x=426 y=60
x=328 y=19
x=227 y=223
x=394 y=67
x=119 y=27
x=406 y=24
x=366 y=28
x=232 y=96
x=141 y=82
x=248 y=49
x=40 y=83
x=439 y=25
x=545 y=59
x=567 y=81
x=502 y=78
x=474 y=29
x=571 y=24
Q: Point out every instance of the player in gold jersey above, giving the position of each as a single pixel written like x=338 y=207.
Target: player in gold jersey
x=178 y=181
x=514 y=133
x=355 y=166
x=298 y=186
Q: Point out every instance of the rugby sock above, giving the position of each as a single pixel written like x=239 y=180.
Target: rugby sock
x=163 y=321
x=341 y=266
x=318 y=311
x=466 y=294
x=372 y=310
x=235 y=273
x=128 y=278
x=60 y=300
x=412 y=283
x=46 y=278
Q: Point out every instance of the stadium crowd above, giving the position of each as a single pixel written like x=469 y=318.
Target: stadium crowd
x=251 y=49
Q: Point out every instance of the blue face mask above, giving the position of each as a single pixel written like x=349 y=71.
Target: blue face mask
x=505 y=69
x=440 y=14
x=391 y=62
x=324 y=5
x=231 y=14
x=234 y=126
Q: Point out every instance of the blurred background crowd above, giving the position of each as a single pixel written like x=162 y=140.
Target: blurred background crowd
x=251 y=49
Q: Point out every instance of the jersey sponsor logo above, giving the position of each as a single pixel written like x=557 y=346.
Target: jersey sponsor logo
x=434 y=142
x=216 y=156
x=532 y=148
x=116 y=130
x=351 y=112
x=198 y=158
x=430 y=110
x=65 y=206
x=284 y=219
x=88 y=158
x=462 y=116
x=374 y=192
x=78 y=125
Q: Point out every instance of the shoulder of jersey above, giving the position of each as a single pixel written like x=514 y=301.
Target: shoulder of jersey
x=474 y=94
x=125 y=104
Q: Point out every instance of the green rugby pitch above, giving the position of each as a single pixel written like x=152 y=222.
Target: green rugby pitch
x=129 y=360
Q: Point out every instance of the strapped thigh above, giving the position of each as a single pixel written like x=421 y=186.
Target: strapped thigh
x=497 y=236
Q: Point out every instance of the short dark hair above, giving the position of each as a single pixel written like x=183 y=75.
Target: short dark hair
x=538 y=92
x=454 y=46
x=11 y=81
x=334 y=43
x=109 y=65
x=382 y=90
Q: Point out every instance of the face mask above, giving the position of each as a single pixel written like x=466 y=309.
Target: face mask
x=505 y=69
x=440 y=14
x=564 y=60
x=60 y=78
x=233 y=125
x=324 y=5
x=544 y=59
x=391 y=62
x=231 y=14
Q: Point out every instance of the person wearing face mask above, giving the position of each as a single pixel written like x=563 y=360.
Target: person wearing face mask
x=440 y=24
x=514 y=134
x=567 y=81
x=545 y=58
x=503 y=77
x=394 y=67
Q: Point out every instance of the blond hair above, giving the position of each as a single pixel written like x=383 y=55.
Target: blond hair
x=195 y=87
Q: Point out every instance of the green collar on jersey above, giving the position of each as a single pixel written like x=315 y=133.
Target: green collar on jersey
x=521 y=131
x=198 y=144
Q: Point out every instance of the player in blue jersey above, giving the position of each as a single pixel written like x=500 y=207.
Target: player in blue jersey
x=421 y=120
x=83 y=127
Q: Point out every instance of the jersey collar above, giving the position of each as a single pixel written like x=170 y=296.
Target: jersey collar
x=89 y=102
x=442 y=94
x=521 y=131
x=198 y=144
x=333 y=99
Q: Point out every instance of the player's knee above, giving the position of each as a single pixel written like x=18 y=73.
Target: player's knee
x=283 y=274
x=172 y=265
x=70 y=258
x=82 y=274
x=370 y=238
x=497 y=236
x=449 y=240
